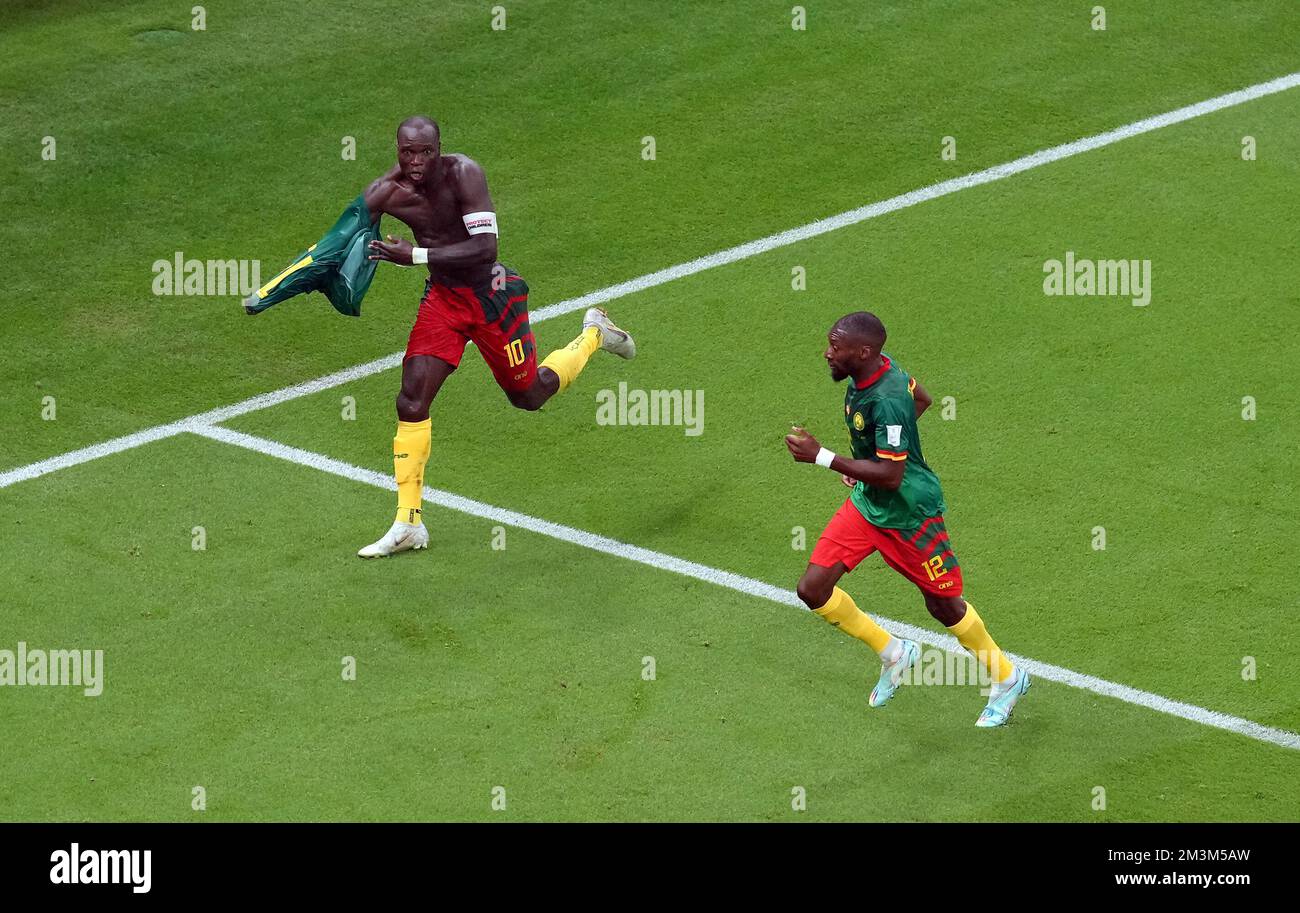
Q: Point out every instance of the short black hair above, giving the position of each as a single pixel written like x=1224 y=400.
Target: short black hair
x=420 y=120
x=865 y=325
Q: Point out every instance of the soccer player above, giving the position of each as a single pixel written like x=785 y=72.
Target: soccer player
x=469 y=296
x=896 y=508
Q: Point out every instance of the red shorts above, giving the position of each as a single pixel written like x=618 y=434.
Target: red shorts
x=494 y=319
x=923 y=555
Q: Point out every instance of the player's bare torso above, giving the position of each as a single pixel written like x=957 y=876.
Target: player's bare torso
x=433 y=213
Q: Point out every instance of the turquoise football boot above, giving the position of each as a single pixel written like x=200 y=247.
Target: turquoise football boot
x=1003 y=700
x=892 y=674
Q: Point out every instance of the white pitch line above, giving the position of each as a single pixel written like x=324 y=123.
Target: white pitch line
x=739 y=583
x=171 y=429
x=86 y=454
x=943 y=188
x=672 y=273
x=306 y=388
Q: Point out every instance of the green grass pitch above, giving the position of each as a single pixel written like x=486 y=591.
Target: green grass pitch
x=523 y=667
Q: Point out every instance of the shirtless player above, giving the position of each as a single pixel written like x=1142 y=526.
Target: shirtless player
x=469 y=296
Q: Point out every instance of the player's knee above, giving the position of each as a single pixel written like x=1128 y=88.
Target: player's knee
x=815 y=592
x=547 y=382
x=525 y=400
x=947 y=610
x=411 y=408
x=534 y=396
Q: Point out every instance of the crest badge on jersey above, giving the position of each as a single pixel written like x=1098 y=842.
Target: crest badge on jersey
x=858 y=421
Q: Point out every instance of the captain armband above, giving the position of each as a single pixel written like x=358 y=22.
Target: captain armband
x=476 y=223
x=480 y=223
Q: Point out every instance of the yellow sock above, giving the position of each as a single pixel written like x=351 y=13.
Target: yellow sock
x=843 y=613
x=971 y=634
x=567 y=363
x=410 y=453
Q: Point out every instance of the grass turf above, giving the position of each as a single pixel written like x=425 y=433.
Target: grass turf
x=479 y=668
x=522 y=667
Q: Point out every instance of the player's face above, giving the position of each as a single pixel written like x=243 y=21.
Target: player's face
x=417 y=150
x=841 y=357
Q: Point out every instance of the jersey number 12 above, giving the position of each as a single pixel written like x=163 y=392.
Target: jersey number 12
x=934 y=567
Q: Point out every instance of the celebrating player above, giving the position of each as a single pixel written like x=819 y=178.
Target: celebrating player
x=444 y=200
x=896 y=508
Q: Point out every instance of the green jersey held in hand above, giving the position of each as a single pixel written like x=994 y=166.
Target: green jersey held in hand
x=337 y=265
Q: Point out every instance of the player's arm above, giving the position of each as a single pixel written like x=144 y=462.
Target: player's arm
x=478 y=212
x=921 y=396
x=885 y=473
x=377 y=195
x=479 y=215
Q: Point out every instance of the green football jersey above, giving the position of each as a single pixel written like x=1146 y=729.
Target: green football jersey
x=881 y=416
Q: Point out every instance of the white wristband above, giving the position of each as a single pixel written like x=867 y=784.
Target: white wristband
x=419 y=255
x=824 y=458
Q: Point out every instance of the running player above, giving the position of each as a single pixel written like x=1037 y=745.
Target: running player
x=896 y=508
x=469 y=296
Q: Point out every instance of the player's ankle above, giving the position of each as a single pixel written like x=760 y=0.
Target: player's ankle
x=893 y=651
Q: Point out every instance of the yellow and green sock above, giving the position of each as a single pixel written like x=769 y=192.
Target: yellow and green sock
x=410 y=453
x=567 y=363
x=841 y=611
x=971 y=634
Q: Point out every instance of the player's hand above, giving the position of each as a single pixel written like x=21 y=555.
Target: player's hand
x=394 y=250
x=848 y=480
x=803 y=446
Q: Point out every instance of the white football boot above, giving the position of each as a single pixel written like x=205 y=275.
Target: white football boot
x=612 y=339
x=400 y=538
x=891 y=674
x=1002 y=700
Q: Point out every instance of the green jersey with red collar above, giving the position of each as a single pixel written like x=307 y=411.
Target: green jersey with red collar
x=881 y=417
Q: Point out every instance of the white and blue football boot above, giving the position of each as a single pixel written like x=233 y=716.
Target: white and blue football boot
x=892 y=673
x=1003 y=700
